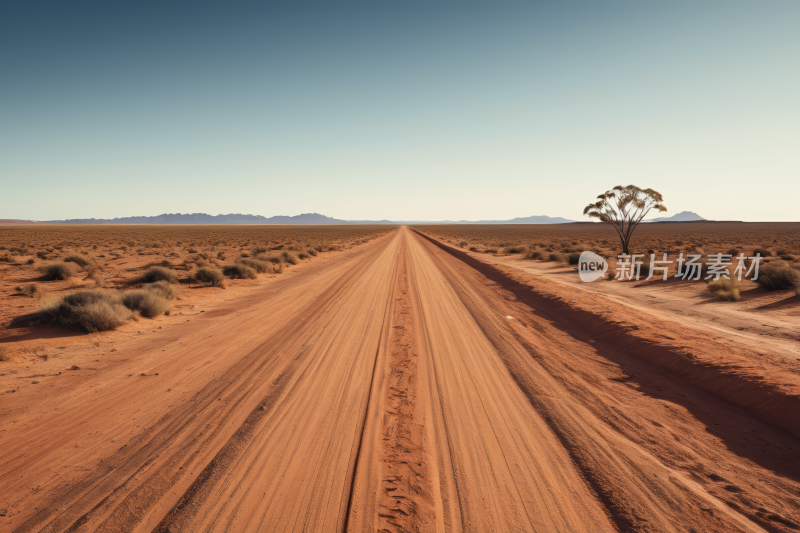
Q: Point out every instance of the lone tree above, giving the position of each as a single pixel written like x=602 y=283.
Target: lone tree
x=624 y=208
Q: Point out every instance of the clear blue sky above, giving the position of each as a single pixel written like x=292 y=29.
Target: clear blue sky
x=397 y=110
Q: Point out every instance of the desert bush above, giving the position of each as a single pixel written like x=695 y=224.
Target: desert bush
x=163 y=288
x=158 y=273
x=302 y=255
x=762 y=251
x=79 y=260
x=724 y=290
x=733 y=252
x=573 y=259
x=239 y=271
x=644 y=270
x=31 y=290
x=5 y=258
x=259 y=250
x=41 y=255
x=490 y=251
x=514 y=249
x=61 y=270
x=312 y=252
x=289 y=257
x=778 y=276
x=275 y=259
x=209 y=275
x=256 y=264
x=150 y=303
x=534 y=254
x=30 y=261
x=462 y=244
x=88 y=310
x=554 y=257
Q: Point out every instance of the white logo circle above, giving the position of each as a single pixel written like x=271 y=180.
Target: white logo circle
x=591 y=266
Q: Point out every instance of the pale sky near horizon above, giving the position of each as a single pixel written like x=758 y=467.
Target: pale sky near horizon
x=401 y=111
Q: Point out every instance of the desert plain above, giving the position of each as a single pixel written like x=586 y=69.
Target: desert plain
x=384 y=378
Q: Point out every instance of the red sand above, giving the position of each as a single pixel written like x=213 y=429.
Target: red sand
x=403 y=385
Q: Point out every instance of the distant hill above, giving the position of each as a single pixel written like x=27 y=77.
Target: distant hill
x=683 y=216
x=18 y=221
x=202 y=218
x=534 y=219
x=305 y=218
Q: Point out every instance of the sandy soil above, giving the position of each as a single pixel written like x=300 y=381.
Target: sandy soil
x=404 y=385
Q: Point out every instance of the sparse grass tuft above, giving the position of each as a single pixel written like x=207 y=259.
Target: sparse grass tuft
x=239 y=271
x=209 y=275
x=88 y=310
x=289 y=257
x=5 y=355
x=762 y=251
x=31 y=290
x=724 y=290
x=61 y=270
x=149 y=302
x=158 y=273
x=163 y=288
x=256 y=264
x=79 y=260
x=779 y=276
x=535 y=254
x=514 y=249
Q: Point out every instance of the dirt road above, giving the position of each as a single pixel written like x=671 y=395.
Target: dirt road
x=396 y=388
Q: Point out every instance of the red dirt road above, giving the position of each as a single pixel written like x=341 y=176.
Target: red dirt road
x=394 y=388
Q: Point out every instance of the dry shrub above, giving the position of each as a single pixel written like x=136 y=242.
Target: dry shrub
x=534 y=254
x=289 y=257
x=763 y=252
x=209 y=275
x=554 y=257
x=779 y=276
x=275 y=259
x=31 y=290
x=239 y=271
x=573 y=259
x=5 y=258
x=61 y=270
x=256 y=264
x=164 y=289
x=88 y=310
x=149 y=302
x=514 y=250
x=5 y=355
x=312 y=252
x=158 y=273
x=258 y=250
x=724 y=290
x=79 y=260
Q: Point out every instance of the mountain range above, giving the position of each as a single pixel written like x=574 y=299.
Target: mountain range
x=316 y=218
x=683 y=216
x=305 y=218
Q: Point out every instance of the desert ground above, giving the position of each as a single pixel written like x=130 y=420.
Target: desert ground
x=432 y=378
